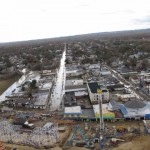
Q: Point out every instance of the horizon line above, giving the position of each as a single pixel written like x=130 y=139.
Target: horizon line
x=55 y=37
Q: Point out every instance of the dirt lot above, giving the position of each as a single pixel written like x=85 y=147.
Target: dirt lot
x=138 y=143
x=10 y=146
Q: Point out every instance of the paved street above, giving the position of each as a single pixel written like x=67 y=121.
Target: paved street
x=59 y=85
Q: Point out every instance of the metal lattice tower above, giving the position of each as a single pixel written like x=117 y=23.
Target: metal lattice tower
x=101 y=116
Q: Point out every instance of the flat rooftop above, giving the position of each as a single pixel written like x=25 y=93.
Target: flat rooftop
x=75 y=87
x=88 y=113
x=73 y=110
x=94 y=87
x=41 y=99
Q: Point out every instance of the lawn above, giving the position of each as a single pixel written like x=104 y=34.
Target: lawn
x=4 y=84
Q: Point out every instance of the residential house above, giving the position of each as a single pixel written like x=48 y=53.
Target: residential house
x=116 y=87
x=135 y=79
x=94 y=66
x=74 y=82
x=104 y=71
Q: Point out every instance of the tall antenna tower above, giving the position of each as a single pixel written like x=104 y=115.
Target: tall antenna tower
x=101 y=119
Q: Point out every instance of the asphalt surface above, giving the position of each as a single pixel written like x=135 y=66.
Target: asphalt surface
x=59 y=86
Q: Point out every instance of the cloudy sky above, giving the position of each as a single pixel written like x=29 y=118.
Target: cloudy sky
x=37 y=19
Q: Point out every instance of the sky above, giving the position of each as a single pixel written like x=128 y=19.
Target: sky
x=37 y=19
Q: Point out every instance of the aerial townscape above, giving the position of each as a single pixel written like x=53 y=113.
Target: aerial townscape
x=76 y=93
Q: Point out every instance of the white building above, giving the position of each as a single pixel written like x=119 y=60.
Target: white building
x=80 y=93
x=137 y=109
x=74 y=82
x=72 y=111
x=135 y=80
x=125 y=97
x=94 y=66
x=97 y=92
x=104 y=71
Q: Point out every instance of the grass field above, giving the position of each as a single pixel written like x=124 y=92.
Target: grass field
x=4 y=84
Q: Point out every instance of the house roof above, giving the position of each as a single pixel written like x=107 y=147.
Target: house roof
x=115 y=86
x=69 y=98
x=135 y=104
x=22 y=100
x=113 y=102
x=114 y=105
x=75 y=87
x=94 y=86
x=88 y=112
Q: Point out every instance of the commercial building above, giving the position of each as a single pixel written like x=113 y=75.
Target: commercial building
x=70 y=99
x=76 y=113
x=135 y=109
x=106 y=113
x=74 y=82
x=97 y=92
x=72 y=112
x=75 y=88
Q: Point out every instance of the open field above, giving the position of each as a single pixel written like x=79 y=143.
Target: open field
x=4 y=84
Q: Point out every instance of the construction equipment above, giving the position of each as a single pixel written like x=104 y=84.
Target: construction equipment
x=115 y=141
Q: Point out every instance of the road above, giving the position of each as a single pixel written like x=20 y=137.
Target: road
x=59 y=85
x=130 y=86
